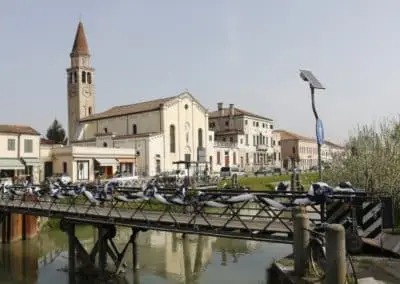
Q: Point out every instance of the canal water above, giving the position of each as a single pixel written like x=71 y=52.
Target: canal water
x=163 y=258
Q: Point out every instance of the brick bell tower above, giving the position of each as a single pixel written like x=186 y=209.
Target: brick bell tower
x=81 y=83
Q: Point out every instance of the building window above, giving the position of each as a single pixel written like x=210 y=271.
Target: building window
x=209 y=137
x=227 y=123
x=271 y=126
x=105 y=130
x=89 y=110
x=247 y=139
x=200 y=137
x=172 y=138
x=247 y=159
x=231 y=139
x=254 y=158
x=105 y=145
x=89 y=77
x=234 y=158
x=186 y=106
x=257 y=124
x=134 y=129
x=211 y=125
x=218 y=158
x=75 y=77
x=241 y=141
x=28 y=146
x=70 y=77
x=11 y=145
x=83 y=77
x=83 y=170
x=245 y=122
x=65 y=169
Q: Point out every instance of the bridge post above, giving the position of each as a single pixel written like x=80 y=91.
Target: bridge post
x=71 y=252
x=301 y=240
x=8 y=228
x=3 y=221
x=135 y=264
x=102 y=239
x=335 y=254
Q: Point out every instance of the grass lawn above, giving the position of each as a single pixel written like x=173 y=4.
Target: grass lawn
x=269 y=182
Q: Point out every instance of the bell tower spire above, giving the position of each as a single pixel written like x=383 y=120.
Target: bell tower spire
x=80 y=85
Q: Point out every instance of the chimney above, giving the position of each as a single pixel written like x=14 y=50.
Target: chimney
x=231 y=109
x=221 y=108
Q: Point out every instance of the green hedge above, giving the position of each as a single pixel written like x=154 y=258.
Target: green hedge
x=269 y=182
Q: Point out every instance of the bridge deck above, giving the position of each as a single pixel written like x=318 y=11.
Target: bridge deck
x=260 y=227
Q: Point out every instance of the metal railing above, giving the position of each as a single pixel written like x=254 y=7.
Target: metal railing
x=228 y=214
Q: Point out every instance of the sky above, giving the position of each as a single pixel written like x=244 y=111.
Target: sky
x=243 y=52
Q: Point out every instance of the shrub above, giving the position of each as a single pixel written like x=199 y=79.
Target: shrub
x=371 y=160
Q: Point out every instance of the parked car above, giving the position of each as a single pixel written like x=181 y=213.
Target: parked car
x=230 y=171
x=279 y=171
x=61 y=178
x=264 y=172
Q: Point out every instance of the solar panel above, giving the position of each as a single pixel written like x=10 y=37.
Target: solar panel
x=309 y=77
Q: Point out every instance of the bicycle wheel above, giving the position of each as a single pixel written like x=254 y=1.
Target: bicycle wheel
x=351 y=275
x=317 y=257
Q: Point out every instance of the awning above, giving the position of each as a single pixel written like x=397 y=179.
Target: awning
x=32 y=162
x=11 y=164
x=107 y=162
x=125 y=161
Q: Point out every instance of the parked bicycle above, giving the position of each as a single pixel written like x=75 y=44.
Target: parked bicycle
x=318 y=259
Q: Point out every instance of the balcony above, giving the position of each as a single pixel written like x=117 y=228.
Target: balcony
x=262 y=147
x=224 y=144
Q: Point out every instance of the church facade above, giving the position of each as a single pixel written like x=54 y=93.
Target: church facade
x=159 y=132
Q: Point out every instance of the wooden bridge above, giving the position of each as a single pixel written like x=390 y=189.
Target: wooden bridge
x=247 y=216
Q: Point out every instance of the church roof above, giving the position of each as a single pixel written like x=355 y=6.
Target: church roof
x=80 y=46
x=130 y=109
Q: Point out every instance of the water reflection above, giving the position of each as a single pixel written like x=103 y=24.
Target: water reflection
x=163 y=258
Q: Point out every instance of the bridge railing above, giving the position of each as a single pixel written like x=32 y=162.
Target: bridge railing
x=252 y=214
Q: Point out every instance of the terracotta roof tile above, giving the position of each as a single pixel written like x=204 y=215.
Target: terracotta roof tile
x=80 y=46
x=18 y=129
x=287 y=135
x=129 y=109
x=237 y=112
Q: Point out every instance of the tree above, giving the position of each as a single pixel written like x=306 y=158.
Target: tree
x=371 y=160
x=56 y=133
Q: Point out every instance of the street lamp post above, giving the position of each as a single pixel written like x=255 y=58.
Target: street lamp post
x=315 y=84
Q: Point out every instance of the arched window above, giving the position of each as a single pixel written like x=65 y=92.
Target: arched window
x=172 y=138
x=200 y=137
x=90 y=110
x=134 y=129
x=70 y=77
x=75 y=77
x=89 y=77
x=83 y=77
x=105 y=144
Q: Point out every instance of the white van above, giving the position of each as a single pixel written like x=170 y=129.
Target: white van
x=230 y=171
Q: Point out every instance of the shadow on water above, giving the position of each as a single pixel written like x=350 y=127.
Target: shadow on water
x=163 y=258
